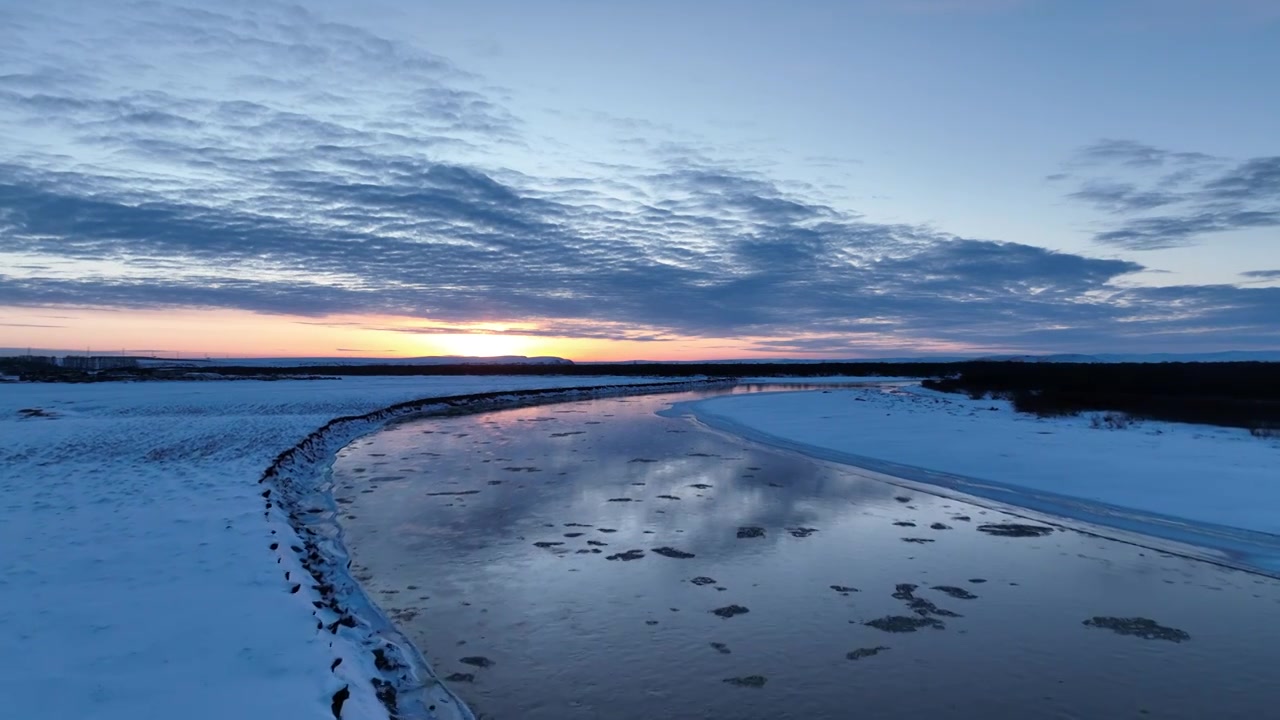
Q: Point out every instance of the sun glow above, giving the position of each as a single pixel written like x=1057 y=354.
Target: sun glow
x=241 y=334
x=478 y=344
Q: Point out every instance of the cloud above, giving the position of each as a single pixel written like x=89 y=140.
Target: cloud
x=1121 y=197
x=1262 y=274
x=588 y=330
x=1257 y=179
x=1154 y=233
x=1197 y=195
x=730 y=254
x=313 y=169
x=1136 y=154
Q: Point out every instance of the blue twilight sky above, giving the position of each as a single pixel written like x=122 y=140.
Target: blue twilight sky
x=659 y=179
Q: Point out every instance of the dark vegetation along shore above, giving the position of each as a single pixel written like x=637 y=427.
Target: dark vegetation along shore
x=1236 y=394
x=1233 y=394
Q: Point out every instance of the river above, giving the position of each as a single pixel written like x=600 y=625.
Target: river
x=596 y=560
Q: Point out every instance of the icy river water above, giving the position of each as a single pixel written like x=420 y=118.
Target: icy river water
x=594 y=560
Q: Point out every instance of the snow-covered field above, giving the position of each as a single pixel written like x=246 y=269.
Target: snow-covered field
x=1208 y=486
x=136 y=579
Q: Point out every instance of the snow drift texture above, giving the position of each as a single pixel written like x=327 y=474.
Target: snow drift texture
x=136 y=578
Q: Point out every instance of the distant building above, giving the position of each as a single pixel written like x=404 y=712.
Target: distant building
x=98 y=362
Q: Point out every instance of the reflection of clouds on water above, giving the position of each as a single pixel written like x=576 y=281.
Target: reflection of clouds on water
x=572 y=634
x=517 y=475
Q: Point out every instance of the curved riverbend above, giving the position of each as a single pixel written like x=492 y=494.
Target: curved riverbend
x=311 y=541
x=594 y=559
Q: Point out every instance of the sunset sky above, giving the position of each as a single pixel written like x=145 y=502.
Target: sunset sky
x=658 y=180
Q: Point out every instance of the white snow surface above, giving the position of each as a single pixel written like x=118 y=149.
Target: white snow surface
x=136 y=579
x=1190 y=483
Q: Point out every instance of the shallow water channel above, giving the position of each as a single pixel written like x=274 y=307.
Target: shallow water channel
x=566 y=562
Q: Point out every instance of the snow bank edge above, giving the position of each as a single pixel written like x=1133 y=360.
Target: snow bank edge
x=308 y=541
x=1236 y=548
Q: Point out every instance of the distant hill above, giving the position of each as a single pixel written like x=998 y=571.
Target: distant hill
x=1063 y=358
x=287 y=362
x=785 y=361
x=1228 y=356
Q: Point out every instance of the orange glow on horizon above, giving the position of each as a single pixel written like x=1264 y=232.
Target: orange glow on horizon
x=230 y=333
x=477 y=344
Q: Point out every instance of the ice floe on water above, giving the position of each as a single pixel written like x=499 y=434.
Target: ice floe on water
x=147 y=571
x=781 y=587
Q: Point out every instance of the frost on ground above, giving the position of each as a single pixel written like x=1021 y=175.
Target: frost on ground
x=1192 y=483
x=136 y=575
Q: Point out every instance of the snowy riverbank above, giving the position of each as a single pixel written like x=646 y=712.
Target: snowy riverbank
x=136 y=578
x=1207 y=486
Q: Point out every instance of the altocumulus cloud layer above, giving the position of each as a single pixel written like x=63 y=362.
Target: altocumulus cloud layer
x=1177 y=198
x=257 y=157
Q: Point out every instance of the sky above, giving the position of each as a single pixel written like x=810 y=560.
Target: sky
x=658 y=180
